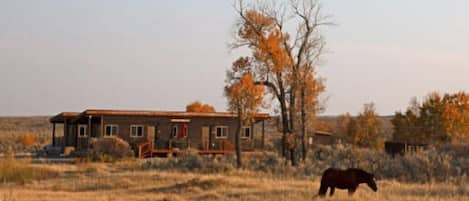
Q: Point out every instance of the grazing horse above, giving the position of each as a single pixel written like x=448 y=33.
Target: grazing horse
x=345 y=179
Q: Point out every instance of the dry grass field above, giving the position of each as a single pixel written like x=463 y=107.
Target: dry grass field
x=201 y=179
x=25 y=134
x=125 y=181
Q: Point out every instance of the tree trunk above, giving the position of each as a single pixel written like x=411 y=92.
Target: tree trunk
x=292 y=109
x=292 y=157
x=303 y=124
x=284 y=128
x=237 y=140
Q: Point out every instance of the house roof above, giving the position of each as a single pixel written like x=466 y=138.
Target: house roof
x=324 y=133
x=59 y=118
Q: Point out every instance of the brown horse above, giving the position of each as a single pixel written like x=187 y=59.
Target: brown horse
x=345 y=179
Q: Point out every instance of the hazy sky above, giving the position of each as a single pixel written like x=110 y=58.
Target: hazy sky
x=160 y=55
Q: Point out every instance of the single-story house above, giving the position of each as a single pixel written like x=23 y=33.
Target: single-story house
x=165 y=131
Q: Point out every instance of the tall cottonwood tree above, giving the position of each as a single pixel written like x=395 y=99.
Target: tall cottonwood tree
x=309 y=89
x=244 y=98
x=280 y=58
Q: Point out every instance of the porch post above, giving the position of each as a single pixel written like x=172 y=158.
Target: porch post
x=251 y=136
x=263 y=135
x=89 y=125
x=66 y=134
x=102 y=127
x=76 y=135
x=90 y=130
x=53 y=134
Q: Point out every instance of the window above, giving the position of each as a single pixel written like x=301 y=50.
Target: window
x=174 y=131
x=136 y=131
x=82 y=131
x=110 y=130
x=221 y=132
x=246 y=132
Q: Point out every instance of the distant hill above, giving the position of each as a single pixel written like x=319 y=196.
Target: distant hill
x=41 y=123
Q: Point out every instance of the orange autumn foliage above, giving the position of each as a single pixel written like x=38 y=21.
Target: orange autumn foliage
x=197 y=106
x=439 y=118
x=282 y=59
x=244 y=97
x=27 y=139
x=267 y=40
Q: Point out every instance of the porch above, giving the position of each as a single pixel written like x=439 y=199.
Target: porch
x=148 y=150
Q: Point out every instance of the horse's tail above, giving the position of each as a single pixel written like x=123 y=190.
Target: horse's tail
x=322 y=189
x=322 y=192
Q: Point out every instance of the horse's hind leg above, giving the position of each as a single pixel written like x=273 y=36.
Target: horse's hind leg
x=332 y=191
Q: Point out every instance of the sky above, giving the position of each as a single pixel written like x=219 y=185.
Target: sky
x=161 y=55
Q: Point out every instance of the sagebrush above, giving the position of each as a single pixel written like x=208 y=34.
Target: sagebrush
x=444 y=164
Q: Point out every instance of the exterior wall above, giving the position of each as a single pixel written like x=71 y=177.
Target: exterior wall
x=124 y=124
x=323 y=139
x=194 y=135
x=83 y=142
x=161 y=127
x=70 y=135
x=320 y=139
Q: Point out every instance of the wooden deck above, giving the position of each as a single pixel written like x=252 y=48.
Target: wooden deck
x=175 y=152
x=146 y=150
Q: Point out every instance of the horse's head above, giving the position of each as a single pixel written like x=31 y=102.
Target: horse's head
x=368 y=178
x=371 y=182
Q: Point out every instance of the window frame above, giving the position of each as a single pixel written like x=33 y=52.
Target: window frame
x=243 y=132
x=226 y=133
x=136 y=135
x=174 y=128
x=85 y=127
x=111 y=126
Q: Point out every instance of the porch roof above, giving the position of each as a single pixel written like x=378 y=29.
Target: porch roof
x=60 y=118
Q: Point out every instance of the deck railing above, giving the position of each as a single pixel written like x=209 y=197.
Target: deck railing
x=145 y=149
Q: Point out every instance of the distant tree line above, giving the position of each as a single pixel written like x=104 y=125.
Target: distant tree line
x=361 y=130
x=438 y=119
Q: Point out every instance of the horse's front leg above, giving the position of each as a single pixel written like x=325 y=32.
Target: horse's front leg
x=332 y=191
x=352 y=190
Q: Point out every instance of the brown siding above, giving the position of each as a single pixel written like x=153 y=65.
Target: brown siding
x=163 y=133
x=124 y=124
